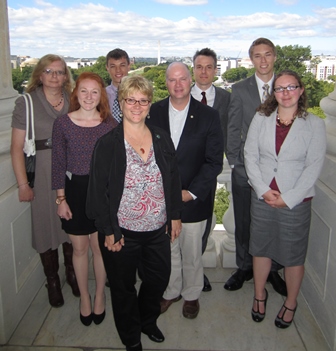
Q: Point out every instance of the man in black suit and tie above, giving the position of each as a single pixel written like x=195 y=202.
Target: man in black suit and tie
x=197 y=135
x=205 y=69
x=246 y=96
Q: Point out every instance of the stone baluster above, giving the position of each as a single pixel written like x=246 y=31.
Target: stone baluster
x=228 y=245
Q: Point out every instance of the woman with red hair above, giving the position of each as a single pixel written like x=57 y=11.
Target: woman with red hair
x=74 y=137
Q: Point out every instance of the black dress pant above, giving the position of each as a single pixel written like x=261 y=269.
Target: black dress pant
x=137 y=311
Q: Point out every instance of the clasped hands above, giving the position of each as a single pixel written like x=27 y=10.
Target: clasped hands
x=273 y=198
x=115 y=247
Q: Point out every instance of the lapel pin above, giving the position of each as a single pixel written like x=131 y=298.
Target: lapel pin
x=191 y=116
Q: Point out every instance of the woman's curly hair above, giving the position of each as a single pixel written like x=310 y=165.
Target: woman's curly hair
x=271 y=104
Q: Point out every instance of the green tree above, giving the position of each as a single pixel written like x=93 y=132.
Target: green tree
x=17 y=80
x=235 y=74
x=333 y=78
x=221 y=204
x=316 y=90
x=292 y=57
x=317 y=111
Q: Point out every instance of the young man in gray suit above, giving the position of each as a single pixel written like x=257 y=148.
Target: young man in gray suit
x=246 y=96
x=205 y=69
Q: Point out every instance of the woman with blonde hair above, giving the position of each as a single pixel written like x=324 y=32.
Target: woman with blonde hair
x=50 y=88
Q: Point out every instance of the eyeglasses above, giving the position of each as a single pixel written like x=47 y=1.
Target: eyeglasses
x=131 y=101
x=289 y=88
x=49 y=71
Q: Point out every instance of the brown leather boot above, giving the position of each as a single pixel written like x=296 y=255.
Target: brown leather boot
x=69 y=269
x=50 y=265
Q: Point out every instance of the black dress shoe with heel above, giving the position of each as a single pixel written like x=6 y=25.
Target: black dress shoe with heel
x=238 y=279
x=207 y=286
x=154 y=334
x=137 y=347
x=257 y=316
x=279 y=285
x=86 y=320
x=98 y=318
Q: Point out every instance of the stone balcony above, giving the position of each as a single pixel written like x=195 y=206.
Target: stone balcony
x=27 y=322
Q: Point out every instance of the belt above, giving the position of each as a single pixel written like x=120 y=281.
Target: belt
x=43 y=144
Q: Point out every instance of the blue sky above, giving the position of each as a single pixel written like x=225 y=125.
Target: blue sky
x=83 y=28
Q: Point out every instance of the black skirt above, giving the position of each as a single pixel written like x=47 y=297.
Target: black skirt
x=76 y=192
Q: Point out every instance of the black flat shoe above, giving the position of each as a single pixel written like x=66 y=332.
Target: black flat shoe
x=279 y=321
x=257 y=316
x=238 y=279
x=155 y=334
x=279 y=285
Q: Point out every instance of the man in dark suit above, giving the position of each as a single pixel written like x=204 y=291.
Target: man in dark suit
x=196 y=132
x=205 y=69
x=246 y=96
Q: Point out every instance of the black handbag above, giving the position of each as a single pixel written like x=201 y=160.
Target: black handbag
x=29 y=148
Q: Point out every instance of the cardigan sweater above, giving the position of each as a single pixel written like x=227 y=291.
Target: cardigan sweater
x=107 y=177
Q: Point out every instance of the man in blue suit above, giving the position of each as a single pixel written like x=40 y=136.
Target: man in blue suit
x=246 y=96
x=197 y=135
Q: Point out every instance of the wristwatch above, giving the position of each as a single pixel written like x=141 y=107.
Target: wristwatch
x=59 y=199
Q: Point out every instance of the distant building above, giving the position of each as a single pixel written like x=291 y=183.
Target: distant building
x=76 y=63
x=325 y=68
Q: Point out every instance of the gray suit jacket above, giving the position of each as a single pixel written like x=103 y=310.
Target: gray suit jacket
x=243 y=104
x=298 y=164
x=221 y=104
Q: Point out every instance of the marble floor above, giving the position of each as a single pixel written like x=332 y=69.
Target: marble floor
x=224 y=324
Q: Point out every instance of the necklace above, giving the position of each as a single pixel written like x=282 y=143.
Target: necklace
x=282 y=123
x=141 y=148
x=54 y=106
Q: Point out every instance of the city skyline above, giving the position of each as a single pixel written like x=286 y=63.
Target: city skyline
x=80 y=28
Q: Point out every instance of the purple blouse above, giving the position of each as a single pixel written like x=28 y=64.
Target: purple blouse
x=73 y=147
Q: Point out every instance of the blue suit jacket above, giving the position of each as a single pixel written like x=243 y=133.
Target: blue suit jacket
x=199 y=154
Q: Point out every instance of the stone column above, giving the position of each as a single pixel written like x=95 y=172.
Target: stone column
x=7 y=93
x=21 y=275
x=319 y=284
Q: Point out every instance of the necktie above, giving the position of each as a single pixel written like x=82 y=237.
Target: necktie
x=204 y=100
x=265 y=93
x=116 y=110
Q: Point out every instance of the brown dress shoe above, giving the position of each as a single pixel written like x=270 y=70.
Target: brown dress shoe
x=190 y=309
x=165 y=304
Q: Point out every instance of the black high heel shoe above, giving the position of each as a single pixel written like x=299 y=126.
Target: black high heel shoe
x=98 y=318
x=279 y=321
x=257 y=316
x=86 y=320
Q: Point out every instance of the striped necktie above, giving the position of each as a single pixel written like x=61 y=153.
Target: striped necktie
x=265 y=93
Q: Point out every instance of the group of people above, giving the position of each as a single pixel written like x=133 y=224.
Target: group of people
x=135 y=182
